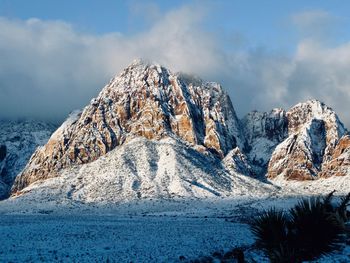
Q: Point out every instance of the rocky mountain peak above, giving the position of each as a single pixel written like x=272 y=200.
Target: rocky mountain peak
x=314 y=131
x=145 y=100
x=303 y=113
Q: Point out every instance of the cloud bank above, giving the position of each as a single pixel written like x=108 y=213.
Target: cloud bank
x=47 y=68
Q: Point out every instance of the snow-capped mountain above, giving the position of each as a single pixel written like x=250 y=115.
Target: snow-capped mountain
x=314 y=131
x=154 y=133
x=144 y=100
x=18 y=141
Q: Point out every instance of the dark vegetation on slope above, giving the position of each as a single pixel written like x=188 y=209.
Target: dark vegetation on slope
x=312 y=228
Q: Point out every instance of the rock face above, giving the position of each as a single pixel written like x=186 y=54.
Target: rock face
x=237 y=162
x=314 y=131
x=339 y=163
x=150 y=102
x=144 y=100
x=18 y=140
x=263 y=132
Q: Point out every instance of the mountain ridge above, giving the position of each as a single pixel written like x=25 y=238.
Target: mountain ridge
x=18 y=140
x=147 y=100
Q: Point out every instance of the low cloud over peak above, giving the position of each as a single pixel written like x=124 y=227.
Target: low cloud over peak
x=48 y=68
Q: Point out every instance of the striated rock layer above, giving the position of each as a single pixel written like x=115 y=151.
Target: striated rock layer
x=144 y=100
x=339 y=163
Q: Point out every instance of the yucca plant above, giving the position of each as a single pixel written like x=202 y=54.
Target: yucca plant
x=342 y=208
x=312 y=228
x=270 y=229
x=283 y=254
x=327 y=202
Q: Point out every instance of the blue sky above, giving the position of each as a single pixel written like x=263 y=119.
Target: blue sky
x=266 y=23
x=57 y=55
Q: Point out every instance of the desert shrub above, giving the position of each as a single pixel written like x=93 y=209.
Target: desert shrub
x=312 y=228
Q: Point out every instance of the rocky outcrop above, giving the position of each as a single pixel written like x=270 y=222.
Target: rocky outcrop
x=263 y=131
x=237 y=162
x=303 y=113
x=314 y=131
x=339 y=163
x=18 y=141
x=144 y=100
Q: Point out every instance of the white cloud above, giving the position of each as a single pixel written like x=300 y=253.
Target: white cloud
x=323 y=72
x=48 y=69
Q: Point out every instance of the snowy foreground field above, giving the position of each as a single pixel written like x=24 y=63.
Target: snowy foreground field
x=121 y=239
x=141 y=231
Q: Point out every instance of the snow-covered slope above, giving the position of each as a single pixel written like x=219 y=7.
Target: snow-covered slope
x=144 y=168
x=18 y=140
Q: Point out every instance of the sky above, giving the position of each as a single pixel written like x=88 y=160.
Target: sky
x=56 y=55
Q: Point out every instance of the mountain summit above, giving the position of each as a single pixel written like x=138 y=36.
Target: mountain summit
x=144 y=100
x=158 y=132
x=314 y=131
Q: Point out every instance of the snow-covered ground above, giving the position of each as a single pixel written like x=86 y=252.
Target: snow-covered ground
x=100 y=238
x=138 y=231
x=97 y=213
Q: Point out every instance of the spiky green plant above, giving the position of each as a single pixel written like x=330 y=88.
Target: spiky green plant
x=327 y=202
x=342 y=208
x=283 y=254
x=270 y=229
x=312 y=228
